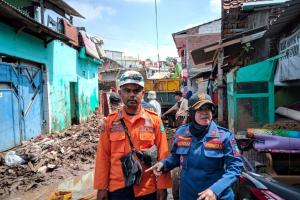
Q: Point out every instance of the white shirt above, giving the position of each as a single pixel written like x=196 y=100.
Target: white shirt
x=183 y=108
x=156 y=106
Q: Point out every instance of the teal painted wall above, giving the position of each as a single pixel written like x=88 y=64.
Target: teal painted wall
x=61 y=72
x=64 y=66
x=22 y=45
x=68 y=67
x=87 y=87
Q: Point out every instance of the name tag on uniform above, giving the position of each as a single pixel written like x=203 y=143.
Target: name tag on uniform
x=214 y=145
x=184 y=141
x=147 y=129
x=147 y=136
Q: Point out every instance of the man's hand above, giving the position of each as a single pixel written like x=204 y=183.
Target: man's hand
x=207 y=194
x=156 y=168
x=176 y=115
x=102 y=195
x=162 y=194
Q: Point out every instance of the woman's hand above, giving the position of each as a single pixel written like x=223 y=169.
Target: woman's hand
x=156 y=168
x=207 y=194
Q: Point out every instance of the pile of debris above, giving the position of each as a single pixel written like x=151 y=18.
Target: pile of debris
x=170 y=136
x=44 y=156
x=284 y=125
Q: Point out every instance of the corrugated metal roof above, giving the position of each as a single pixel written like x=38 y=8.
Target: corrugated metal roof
x=289 y=15
x=230 y=4
x=66 y=7
x=252 y=5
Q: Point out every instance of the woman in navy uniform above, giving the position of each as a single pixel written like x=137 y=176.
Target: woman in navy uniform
x=206 y=153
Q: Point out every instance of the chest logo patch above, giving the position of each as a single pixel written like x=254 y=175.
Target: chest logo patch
x=184 y=141
x=116 y=127
x=214 y=144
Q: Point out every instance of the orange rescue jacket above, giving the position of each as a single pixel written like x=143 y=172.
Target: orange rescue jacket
x=146 y=129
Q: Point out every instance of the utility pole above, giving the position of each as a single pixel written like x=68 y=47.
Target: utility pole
x=220 y=87
x=157 y=36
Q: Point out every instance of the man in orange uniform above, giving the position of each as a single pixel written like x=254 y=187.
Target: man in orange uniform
x=145 y=129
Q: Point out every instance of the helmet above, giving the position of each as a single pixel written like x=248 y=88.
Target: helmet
x=151 y=95
x=133 y=77
x=199 y=99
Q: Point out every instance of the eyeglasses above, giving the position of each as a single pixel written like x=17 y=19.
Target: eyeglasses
x=135 y=91
x=135 y=77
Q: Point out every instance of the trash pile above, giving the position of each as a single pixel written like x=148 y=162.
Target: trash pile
x=170 y=136
x=40 y=161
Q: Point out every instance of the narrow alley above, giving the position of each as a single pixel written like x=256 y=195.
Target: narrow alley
x=149 y=100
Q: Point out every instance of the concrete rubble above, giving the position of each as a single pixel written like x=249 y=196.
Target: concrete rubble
x=49 y=156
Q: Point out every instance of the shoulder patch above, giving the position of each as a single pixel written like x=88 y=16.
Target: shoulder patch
x=235 y=148
x=162 y=128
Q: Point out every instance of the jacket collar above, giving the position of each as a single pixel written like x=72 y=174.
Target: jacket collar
x=213 y=130
x=140 y=114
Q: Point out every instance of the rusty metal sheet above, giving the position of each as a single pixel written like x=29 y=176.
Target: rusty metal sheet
x=71 y=32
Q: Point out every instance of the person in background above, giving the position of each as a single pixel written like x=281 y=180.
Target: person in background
x=180 y=107
x=148 y=106
x=177 y=69
x=207 y=154
x=152 y=100
x=188 y=95
x=114 y=101
x=125 y=132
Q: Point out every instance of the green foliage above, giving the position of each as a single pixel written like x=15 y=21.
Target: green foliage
x=170 y=59
x=247 y=47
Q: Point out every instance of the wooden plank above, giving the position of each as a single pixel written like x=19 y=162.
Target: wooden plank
x=252 y=37
x=225 y=44
x=91 y=196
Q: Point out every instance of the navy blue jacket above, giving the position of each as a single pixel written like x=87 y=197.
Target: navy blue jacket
x=212 y=162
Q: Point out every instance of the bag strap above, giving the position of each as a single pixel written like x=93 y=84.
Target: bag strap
x=128 y=135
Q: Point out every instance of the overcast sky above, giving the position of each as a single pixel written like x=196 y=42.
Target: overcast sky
x=129 y=25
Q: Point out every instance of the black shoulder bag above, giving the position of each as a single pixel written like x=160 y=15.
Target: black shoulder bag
x=131 y=167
